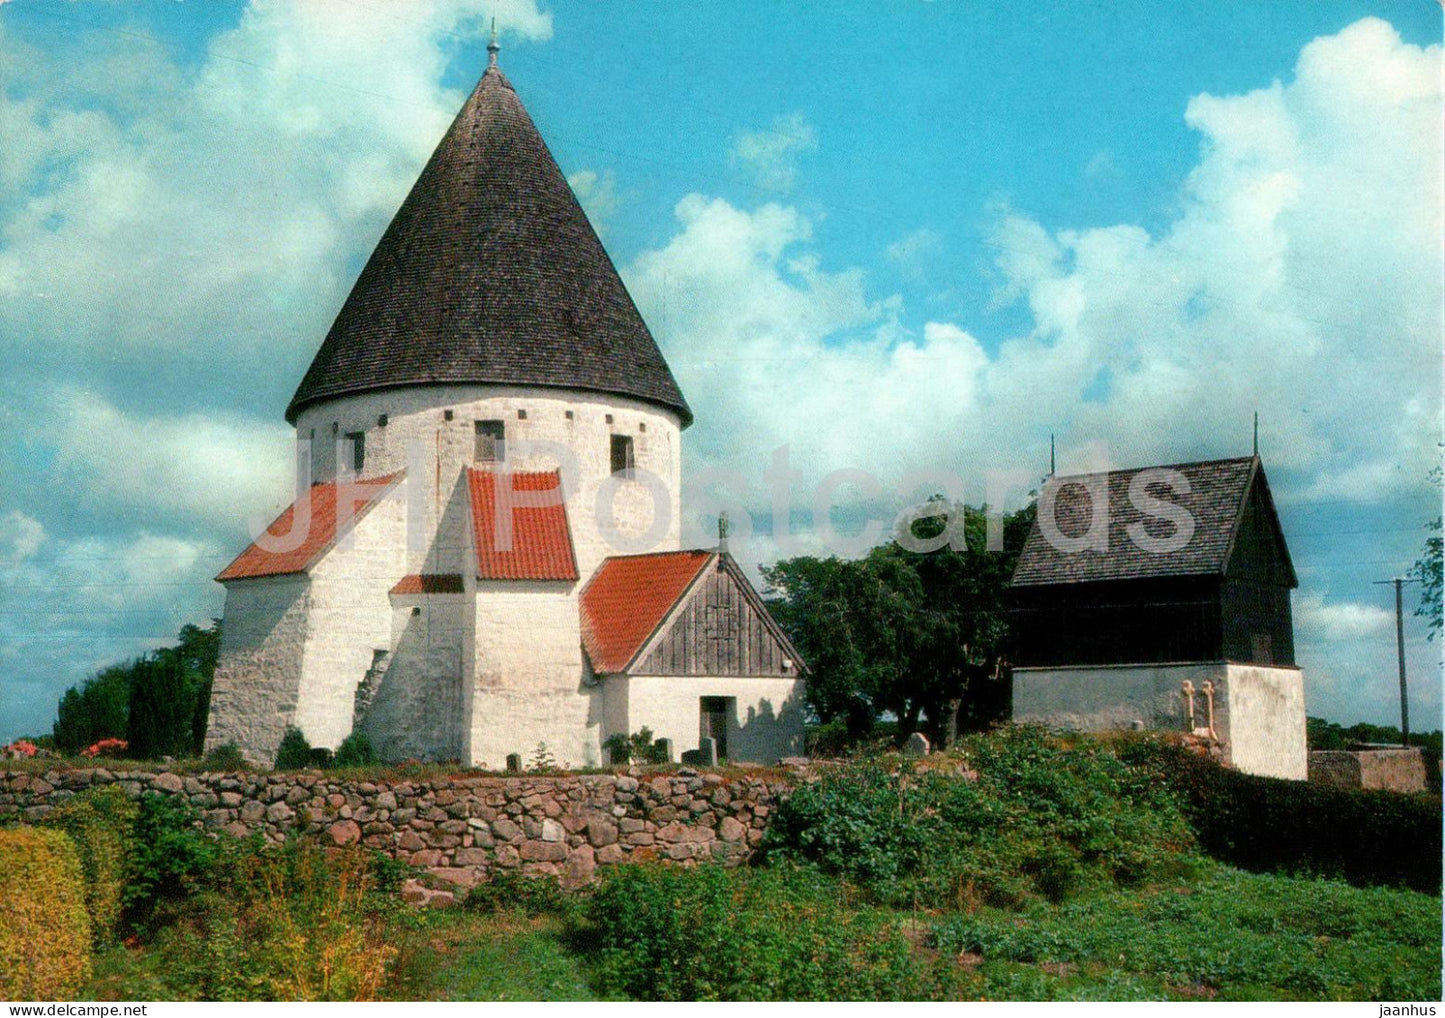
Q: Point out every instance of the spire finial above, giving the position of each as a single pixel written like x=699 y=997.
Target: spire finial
x=1256 y=433
x=722 y=531
x=1051 y=454
x=493 y=47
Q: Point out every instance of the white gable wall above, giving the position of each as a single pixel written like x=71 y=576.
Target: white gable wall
x=766 y=725
x=349 y=618
x=258 y=672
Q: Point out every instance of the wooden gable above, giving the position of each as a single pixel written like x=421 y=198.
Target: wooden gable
x=719 y=627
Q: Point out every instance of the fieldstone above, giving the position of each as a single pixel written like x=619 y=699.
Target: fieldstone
x=508 y=856
x=601 y=832
x=236 y=829
x=455 y=875
x=552 y=831
x=343 y=832
x=543 y=851
x=472 y=857
x=252 y=811
x=731 y=830
x=278 y=812
x=410 y=841
x=426 y=857
x=386 y=800
x=506 y=830
x=581 y=864
x=168 y=783
x=610 y=854
x=231 y=799
x=917 y=745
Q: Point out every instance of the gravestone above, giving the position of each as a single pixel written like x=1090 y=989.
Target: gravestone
x=514 y=763
x=704 y=756
x=664 y=749
x=917 y=745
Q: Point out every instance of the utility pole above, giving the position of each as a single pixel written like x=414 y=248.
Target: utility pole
x=1399 y=584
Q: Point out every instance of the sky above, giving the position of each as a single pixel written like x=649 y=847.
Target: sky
x=890 y=237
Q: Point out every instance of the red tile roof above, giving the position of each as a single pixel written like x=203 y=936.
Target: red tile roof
x=430 y=583
x=628 y=598
x=281 y=552
x=539 y=544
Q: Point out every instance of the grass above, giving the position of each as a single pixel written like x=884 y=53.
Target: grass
x=464 y=955
x=1228 y=935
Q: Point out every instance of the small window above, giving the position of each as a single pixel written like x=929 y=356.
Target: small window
x=569 y=415
x=622 y=461
x=1263 y=649
x=448 y=415
x=381 y=420
x=609 y=418
x=356 y=440
x=642 y=427
x=491 y=442
x=521 y=415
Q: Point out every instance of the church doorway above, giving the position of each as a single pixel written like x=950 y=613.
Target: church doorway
x=713 y=717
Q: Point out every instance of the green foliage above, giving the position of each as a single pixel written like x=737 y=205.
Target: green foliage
x=1234 y=934
x=1429 y=570
x=1033 y=817
x=100 y=821
x=282 y=923
x=915 y=634
x=158 y=702
x=640 y=747
x=1268 y=824
x=510 y=890
x=542 y=762
x=170 y=858
x=44 y=929
x=780 y=934
x=226 y=757
x=96 y=709
x=294 y=753
x=355 y=751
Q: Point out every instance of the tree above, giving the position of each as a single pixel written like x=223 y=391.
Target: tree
x=96 y=709
x=913 y=634
x=1428 y=570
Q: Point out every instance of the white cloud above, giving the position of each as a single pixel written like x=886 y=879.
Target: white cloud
x=212 y=467
x=771 y=155
x=597 y=193
x=1341 y=620
x=20 y=536
x=916 y=253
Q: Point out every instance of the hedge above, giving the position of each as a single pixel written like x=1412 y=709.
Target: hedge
x=44 y=928
x=1271 y=824
x=100 y=821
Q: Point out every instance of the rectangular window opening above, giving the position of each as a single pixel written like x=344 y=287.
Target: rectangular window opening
x=622 y=456
x=356 y=442
x=491 y=442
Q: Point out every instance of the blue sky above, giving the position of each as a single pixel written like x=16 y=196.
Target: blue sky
x=888 y=236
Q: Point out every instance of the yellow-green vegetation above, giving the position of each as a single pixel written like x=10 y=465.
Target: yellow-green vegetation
x=44 y=928
x=99 y=821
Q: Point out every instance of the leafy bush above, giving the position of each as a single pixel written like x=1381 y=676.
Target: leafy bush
x=283 y=923
x=354 y=751
x=639 y=747
x=170 y=859
x=528 y=894
x=294 y=753
x=1034 y=816
x=44 y=928
x=1365 y=837
x=99 y=821
x=225 y=757
x=778 y=934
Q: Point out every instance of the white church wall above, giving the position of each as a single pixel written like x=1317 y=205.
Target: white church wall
x=1264 y=715
x=766 y=723
x=416 y=420
x=1259 y=712
x=419 y=707
x=529 y=685
x=258 y=673
x=350 y=619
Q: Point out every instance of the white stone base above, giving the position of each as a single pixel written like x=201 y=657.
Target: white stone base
x=1259 y=711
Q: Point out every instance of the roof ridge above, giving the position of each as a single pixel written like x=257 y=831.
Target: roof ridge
x=1155 y=466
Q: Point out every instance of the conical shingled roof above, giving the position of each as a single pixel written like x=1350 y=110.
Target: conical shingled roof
x=490 y=273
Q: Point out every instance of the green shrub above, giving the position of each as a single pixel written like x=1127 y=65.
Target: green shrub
x=283 y=922
x=640 y=747
x=44 y=929
x=778 y=934
x=354 y=751
x=1268 y=824
x=100 y=822
x=1035 y=817
x=532 y=895
x=170 y=859
x=294 y=753
x=226 y=757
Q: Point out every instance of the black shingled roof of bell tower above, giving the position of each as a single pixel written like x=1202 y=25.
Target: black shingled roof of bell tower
x=490 y=273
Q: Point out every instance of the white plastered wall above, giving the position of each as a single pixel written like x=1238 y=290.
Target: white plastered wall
x=1259 y=712
x=767 y=722
x=419 y=707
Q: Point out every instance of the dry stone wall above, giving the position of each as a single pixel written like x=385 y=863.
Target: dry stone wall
x=461 y=830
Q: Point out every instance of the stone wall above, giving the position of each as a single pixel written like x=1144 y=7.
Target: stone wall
x=1398 y=770
x=463 y=829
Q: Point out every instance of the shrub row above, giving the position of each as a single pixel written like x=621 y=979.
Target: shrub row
x=44 y=929
x=1269 y=824
x=1031 y=817
x=784 y=933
